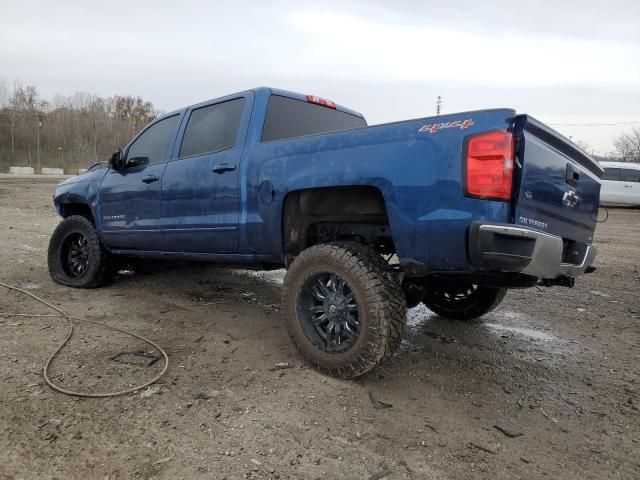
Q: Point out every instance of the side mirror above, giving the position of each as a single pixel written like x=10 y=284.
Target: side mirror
x=116 y=161
x=137 y=161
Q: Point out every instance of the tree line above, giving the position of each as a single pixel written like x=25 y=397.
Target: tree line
x=68 y=132
x=75 y=131
x=628 y=146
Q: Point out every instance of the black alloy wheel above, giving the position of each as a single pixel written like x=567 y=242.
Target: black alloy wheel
x=462 y=301
x=74 y=255
x=329 y=312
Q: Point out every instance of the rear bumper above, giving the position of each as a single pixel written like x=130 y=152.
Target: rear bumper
x=509 y=248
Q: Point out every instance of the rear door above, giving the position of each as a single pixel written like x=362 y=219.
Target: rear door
x=559 y=185
x=200 y=187
x=612 y=188
x=130 y=198
x=631 y=185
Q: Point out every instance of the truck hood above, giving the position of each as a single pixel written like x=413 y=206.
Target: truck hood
x=92 y=176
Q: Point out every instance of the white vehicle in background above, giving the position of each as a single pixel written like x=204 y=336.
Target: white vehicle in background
x=620 y=184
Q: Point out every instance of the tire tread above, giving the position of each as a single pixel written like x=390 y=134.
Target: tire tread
x=384 y=297
x=101 y=273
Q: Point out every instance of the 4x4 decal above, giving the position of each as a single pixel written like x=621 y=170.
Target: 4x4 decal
x=434 y=127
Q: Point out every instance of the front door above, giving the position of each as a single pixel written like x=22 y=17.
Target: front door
x=130 y=198
x=200 y=188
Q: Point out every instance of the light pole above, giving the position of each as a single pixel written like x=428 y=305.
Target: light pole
x=38 y=143
x=61 y=157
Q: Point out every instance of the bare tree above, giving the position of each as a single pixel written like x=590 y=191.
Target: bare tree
x=67 y=131
x=628 y=146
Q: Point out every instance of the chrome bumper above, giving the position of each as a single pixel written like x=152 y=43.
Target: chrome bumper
x=520 y=249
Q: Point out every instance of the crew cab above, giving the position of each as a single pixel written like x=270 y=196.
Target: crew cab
x=450 y=211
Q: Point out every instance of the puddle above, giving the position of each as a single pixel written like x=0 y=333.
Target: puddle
x=275 y=277
x=518 y=323
x=418 y=316
x=489 y=331
x=509 y=314
x=525 y=332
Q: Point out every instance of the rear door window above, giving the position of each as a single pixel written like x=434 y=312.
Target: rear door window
x=290 y=118
x=612 y=174
x=629 y=175
x=212 y=128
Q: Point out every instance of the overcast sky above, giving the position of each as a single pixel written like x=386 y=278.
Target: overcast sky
x=563 y=61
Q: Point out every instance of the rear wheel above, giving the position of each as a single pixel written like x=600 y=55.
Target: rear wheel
x=344 y=308
x=462 y=301
x=76 y=256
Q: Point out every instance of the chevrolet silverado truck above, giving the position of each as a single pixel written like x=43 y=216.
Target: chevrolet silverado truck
x=450 y=211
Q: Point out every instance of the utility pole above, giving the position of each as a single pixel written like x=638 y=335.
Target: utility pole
x=95 y=140
x=438 y=105
x=13 y=135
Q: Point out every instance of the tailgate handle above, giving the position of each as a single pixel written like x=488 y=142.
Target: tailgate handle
x=573 y=176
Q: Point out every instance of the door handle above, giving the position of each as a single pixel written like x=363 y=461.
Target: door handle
x=223 y=168
x=628 y=186
x=150 y=179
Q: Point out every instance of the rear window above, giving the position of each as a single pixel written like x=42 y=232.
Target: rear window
x=611 y=174
x=629 y=175
x=289 y=118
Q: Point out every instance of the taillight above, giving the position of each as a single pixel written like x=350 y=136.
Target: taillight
x=321 y=101
x=489 y=165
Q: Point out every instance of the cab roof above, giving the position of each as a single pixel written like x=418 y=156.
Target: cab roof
x=266 y=91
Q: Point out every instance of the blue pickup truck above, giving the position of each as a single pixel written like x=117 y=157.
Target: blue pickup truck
x=450 y=211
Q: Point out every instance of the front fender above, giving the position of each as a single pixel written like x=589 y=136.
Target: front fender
x=82 y=189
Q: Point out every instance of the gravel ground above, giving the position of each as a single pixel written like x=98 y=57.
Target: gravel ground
x=545 y=387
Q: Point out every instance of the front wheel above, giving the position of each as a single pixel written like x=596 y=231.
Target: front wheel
x=76 y=256
x=462 y=301
x=345 y=311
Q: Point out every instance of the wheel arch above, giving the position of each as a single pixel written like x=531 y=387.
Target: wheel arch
x=75 y=208
x=351 y=212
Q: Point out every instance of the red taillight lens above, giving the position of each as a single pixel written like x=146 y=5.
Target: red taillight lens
x=489 y=168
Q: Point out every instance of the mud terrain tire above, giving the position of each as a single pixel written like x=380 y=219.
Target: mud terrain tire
x=358 y=284
x=76 y=256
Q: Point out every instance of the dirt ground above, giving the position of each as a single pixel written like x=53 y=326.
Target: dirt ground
x=558 y=370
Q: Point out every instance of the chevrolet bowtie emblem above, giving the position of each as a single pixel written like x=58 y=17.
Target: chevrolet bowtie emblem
x=570 y=199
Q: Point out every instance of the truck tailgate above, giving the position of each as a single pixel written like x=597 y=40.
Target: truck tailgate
x=559 y=187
